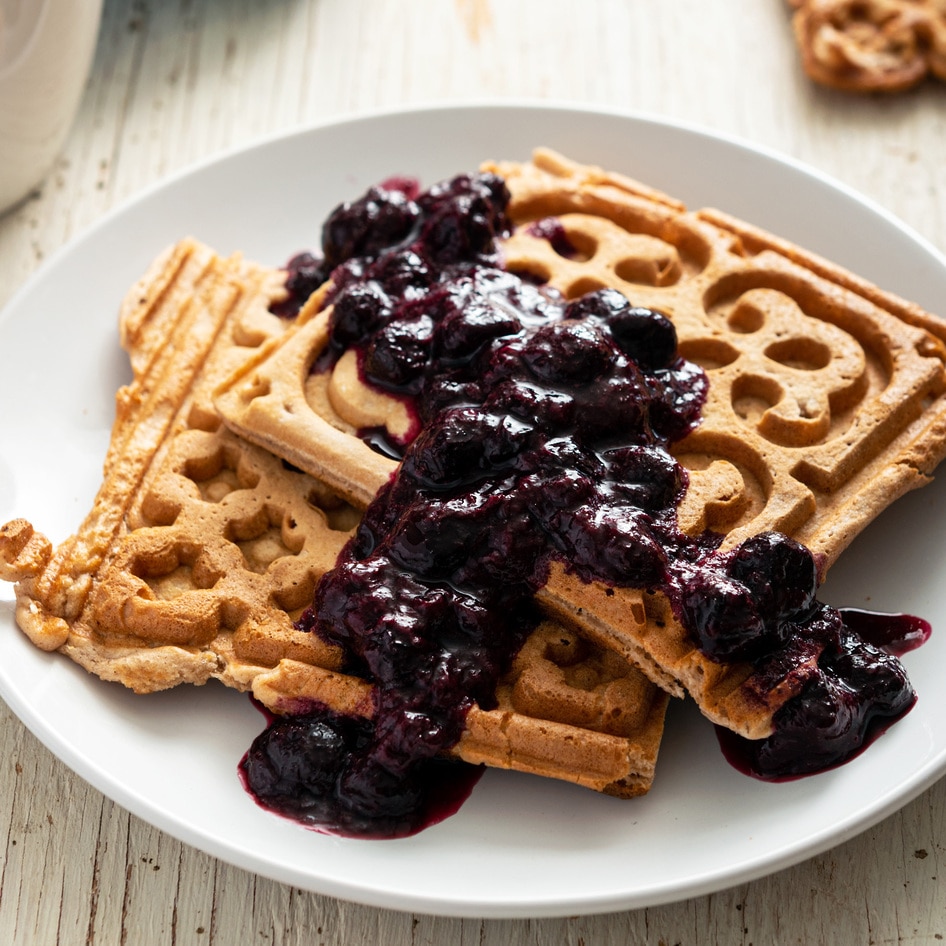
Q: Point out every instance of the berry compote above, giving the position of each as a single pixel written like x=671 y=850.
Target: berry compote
x=543 y=432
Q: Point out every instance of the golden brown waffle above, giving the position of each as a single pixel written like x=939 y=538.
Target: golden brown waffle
x=826 y=399
x=130 y=595
x=871 y=45
x=202 y=549
x=568 y=709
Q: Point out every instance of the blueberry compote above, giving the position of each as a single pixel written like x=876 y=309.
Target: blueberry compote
x=543 y=432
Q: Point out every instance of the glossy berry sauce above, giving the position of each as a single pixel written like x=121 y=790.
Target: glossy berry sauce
x=859 y=690
x=543 y=433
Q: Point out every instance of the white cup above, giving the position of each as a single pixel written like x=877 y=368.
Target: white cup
x=46 y=49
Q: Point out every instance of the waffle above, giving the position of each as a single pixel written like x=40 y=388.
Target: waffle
x=826 y=400
x=202 y=550
x=872 y=46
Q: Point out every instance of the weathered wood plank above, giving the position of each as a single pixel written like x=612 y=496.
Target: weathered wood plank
x=181 y=80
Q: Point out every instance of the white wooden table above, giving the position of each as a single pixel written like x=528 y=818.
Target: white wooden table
x=175 y=81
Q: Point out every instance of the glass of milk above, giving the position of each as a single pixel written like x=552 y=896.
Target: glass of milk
x=46 y=49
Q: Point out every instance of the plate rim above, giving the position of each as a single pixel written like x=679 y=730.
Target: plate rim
x=926 y=775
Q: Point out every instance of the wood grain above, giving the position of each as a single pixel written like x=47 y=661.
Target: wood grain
x=177 y=81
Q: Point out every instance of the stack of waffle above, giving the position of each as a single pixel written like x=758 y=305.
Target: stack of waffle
x=235 y=475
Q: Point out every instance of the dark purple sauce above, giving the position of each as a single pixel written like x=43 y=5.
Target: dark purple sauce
x=304 y=274
x=859 y=691
x=551 y=229
x=300 y=761
x=896 y=634
x=545 y=428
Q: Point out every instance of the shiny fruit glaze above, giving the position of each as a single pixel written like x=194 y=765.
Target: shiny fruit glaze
x=544 y=433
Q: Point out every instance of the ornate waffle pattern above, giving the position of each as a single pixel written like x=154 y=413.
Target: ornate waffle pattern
x=871 y=45
x=826 y=397
x=202 y=549
x=822 y=393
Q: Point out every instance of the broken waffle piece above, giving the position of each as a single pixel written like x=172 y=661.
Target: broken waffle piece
x=178 y=548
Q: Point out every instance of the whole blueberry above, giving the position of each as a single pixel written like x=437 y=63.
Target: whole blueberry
x=568 y=353
x=646 y=336
x=358 y=310
x=295 y=754
x=603 y=304
x=647 y=476
x=463 y=331
x=404 y=273
x=398 y=354
x=304 y=274
x=779 y=572
x=723 y=615
x=379 y=219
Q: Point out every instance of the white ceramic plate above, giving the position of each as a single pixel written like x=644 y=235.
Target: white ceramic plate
x=521 y=846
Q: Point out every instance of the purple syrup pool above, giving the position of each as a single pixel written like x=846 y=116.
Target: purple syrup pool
x=897 y=634
x=544 y=433
x=853 y=699
x=301 y=759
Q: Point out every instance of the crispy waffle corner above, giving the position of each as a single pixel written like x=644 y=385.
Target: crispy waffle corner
x=192 y=533
x=827 y=399
x=202 y=549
